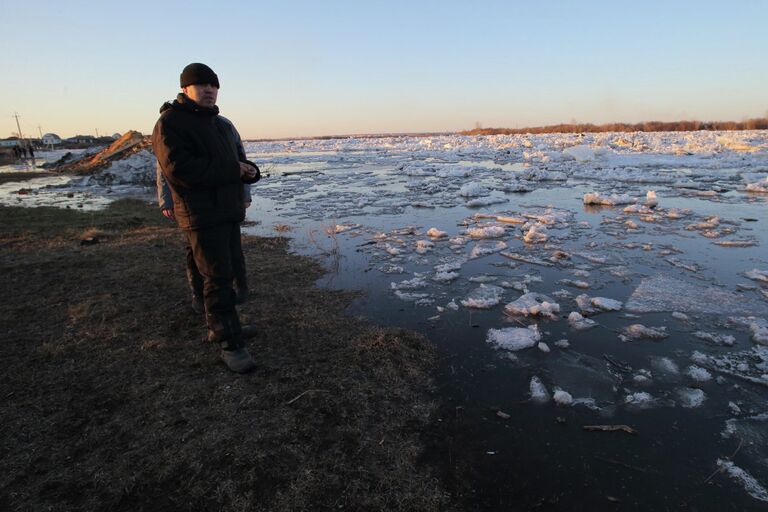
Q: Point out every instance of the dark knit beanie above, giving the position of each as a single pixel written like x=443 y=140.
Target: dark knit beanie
x=197 y=73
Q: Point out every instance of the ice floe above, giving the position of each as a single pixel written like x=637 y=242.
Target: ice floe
x=612 y=200
x=484 y=297
x=580 y=323
x=533 y=304
x=639 y=331
x=538 y=390
x=666 y=293
x=690 y=397
x=750 y=484
x=562 y=397
x=514 y=338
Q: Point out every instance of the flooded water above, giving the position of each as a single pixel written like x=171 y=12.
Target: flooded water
x=682 y=266
x=63 y=191
x=646 y=310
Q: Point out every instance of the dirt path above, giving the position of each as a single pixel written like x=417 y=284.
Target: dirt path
x=110 y=401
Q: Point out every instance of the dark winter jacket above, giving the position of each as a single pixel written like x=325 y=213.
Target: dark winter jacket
x=164 y=197
x=199 y=157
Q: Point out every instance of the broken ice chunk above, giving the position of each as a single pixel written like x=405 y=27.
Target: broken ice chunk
x=642 y=378
x=340 y=228
x=580 y=323
x=423 y=246
x=450 y=265
x=639 y=331
x=580 y=153
x=445 y=277
x=485 y=201
x=539 y=393
x=511 y=220
x=575 y=284
x=411 y=297
x=486 y=232
x=665 y=365
x=533 y=304
x=641 y=400
x=391 y=250
x=411 y=284
x=562 y=397
x=750 y=484
x=759 y=330
x=585 y=304
x=606 y=304
x=514 y=338
x=638 y=208
x=708 y=224
x=536 y=234
x=757 y=275
x=612 y=200
x=544 y=347
x=666 y=293
x=484 y=297
x=680 y=316
x=650 y=199
x=436 y=233
x=483 y=278
x=485 y=248
x=473 y=189
x=562 y=343
x=690 y=397
x=759 y=187
x=698 y=373
x=717 y=339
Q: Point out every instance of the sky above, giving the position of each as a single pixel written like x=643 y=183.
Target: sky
x=306 y=68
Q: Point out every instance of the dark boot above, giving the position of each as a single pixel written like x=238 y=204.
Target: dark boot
x=236 y=357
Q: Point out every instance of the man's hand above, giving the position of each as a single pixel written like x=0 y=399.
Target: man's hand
x=247 y=204
x=168 y=213
x=247 y=171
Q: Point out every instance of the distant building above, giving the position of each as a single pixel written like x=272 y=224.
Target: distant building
x=81 y=139
x=51 y=139
x=9 y=142
x=116 y=136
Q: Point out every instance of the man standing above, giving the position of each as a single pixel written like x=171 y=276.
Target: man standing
x=205 y=170
x=194 y=279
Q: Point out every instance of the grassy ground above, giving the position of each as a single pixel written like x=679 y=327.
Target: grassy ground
x=110 y=401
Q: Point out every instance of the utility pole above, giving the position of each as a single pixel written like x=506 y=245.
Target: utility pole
x=97 y=133
x=16 y=115
x=40 y=131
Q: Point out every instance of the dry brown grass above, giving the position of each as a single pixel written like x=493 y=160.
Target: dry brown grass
x=112 y=402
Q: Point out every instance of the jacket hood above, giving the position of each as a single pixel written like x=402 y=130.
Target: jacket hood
x=183 y=103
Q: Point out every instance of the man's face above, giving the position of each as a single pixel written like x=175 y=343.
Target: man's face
x=203 y=94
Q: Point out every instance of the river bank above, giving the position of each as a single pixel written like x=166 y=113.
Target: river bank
x=112 y=402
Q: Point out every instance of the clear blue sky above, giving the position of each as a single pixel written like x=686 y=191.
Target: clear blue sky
x=333 y=67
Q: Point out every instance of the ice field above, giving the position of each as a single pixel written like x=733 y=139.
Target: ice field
x=599 y=278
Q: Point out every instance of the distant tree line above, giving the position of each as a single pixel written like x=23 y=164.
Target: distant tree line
x=760 y=123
